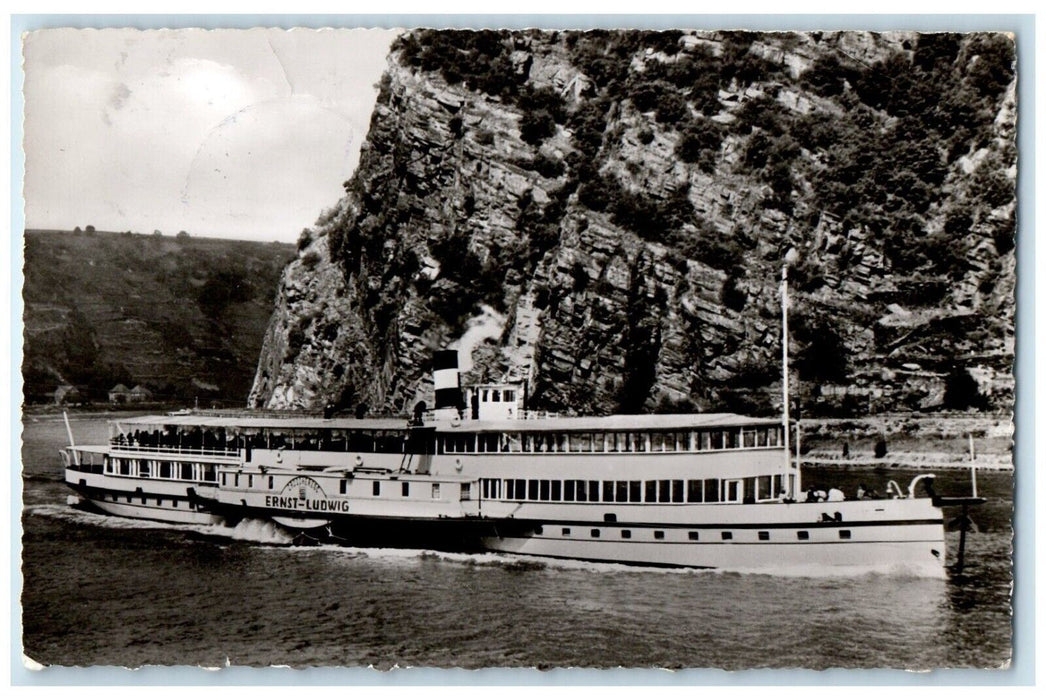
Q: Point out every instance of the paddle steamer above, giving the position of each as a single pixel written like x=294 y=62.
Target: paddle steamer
x=706 y=490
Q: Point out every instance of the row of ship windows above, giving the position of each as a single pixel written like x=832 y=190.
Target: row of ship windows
x=389 y=441
x=190 y=471
x=375 y=489
x=343 y=486
x=145 y=501
x=159 y=469
x=763 y=488
x=749 y=489
x=508 y=442
x=680 y=441
x=692 y=535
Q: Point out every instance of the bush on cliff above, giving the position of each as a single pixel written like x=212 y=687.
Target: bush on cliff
x=699 y=142
x=480 y=59
x=535 y=127
x=961 y=390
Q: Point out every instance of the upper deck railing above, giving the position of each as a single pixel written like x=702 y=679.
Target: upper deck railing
x=120 y=448
x=430 y=416
x=255 y=413
x=536 y=415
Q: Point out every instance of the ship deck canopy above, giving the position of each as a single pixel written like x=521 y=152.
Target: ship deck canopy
x=246 y=421
x=615 y=423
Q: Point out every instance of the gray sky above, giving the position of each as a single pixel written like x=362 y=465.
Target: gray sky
x=233 y=133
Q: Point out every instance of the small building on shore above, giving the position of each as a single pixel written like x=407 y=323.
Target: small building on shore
x=139 y=394
x=68 y=395
x=119 y=394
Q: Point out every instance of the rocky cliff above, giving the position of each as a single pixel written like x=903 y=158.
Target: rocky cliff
x=606 y=215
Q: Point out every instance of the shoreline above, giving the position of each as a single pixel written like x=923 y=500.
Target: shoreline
x=913 y=461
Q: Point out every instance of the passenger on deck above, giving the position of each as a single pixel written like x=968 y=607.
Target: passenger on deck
x=860 y=492
x=835 y=494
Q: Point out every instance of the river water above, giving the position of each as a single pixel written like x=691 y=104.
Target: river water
x=100 y=590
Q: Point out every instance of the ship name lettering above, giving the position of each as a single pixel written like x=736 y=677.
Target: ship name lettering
x=292 y=503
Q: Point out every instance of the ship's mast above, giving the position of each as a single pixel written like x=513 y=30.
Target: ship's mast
x=797 y=486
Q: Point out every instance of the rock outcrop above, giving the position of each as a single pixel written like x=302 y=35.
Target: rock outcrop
x=634 y=258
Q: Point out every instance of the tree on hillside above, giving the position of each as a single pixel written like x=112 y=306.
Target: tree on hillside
x=81 y=347
x=220 y=290
x=820 y=351
x=536 y=126
x=640 y=344
x=961 y=390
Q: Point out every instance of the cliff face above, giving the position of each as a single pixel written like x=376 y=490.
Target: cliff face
x=607 y=214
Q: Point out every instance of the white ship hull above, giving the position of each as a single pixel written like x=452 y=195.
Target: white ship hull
x=888 y=534
x=735 y=556
x=164 y=514
x=148 y=499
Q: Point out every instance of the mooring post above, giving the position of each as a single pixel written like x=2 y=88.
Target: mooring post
x=973 y=467
x=963 y=526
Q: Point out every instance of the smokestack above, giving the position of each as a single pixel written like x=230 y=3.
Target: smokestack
x=446 y=380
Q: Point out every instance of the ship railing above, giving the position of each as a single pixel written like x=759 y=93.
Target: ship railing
x=117 y=447
x=79 y=460
x=536 y=415
x=430 y=416
x=236 y=414
x=86 y=468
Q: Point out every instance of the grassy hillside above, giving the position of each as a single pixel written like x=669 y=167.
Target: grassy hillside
x=182 y=316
